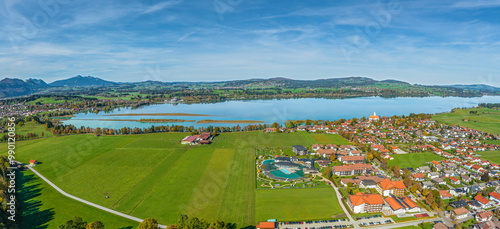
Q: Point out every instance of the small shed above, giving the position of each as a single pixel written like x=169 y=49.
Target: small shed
x=33 y=162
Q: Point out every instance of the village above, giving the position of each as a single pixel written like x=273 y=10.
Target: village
x=459 y=189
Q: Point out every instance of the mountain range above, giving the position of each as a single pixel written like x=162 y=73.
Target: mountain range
x=11 y=87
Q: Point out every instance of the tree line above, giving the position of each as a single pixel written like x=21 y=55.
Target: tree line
x=184 y=222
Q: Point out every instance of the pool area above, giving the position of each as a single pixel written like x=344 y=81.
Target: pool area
x=279 y=175
x=282 y=172
x=285 y=171
x=267 y=162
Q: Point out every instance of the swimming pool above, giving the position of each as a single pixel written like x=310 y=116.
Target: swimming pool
x=280 y=174
x=285 y=171
x=267 y=162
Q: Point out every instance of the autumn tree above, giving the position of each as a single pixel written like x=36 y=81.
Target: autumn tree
x=75 y=223
x=148 y=223
x=95 y=225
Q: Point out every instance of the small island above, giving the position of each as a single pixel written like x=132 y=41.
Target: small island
x=228 y=121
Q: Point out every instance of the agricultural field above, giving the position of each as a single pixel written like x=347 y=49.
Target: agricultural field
x=33 y=127
x=330 y=139
x=493 y=156
x=160 y=178
x=44 y=206
x=413 y=160
x=487 y=120
x=285 y=204
x=46 y=100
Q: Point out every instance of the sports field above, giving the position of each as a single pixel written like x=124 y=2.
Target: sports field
x=297 y=204
x=487 y=120
x=413 y=160
x=154 y=176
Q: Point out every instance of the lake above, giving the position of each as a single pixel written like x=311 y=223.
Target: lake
x=270 y=111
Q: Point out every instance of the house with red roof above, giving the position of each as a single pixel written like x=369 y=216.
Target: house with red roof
x=418 y=177
x=483 y=201
x=484 y=216
x=459 y=213
x=454 y=181
x=445 y=194
x=495 y=196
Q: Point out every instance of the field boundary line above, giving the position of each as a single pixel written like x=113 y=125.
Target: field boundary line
x=88 y=202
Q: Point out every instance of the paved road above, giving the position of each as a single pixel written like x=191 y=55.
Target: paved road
x=339 y=198
x=87 y=202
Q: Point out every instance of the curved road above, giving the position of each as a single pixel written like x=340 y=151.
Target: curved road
x=339 y=197
x=87 y=202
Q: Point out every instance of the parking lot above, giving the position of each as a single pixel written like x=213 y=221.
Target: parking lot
x=319 y=224
x=375 y=223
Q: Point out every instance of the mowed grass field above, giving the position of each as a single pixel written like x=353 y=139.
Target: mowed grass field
x=493 y=156
x=413 y=160
x=287 y=204
x=153 y=175
x=487 y=120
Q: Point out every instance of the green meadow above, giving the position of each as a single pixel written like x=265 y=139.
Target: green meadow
x=413 y=160
x=493 y=156
x=152 y=175
x=297 y=204
x=487 y=120
x=330 y=139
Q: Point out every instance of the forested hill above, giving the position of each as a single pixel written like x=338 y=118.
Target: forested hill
x=339 y=87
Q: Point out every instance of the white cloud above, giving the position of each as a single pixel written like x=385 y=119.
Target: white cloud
x=161 y=6
x=477 y=4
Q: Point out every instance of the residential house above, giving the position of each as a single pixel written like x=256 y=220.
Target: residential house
x=495 y=196
x=316 y=147
x=427 y=184
x=300 y=150
x=459 y=213
x=418 y=177
x=483 y=201
x=439 y=181
x=484 y=216
x=454 y=181
x=448 y=173
x=458 y=204
x=433 y=175
x=326 y=152
x=459 y=191
x=445 y=194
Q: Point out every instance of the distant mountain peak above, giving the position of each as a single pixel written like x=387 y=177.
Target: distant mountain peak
x=82 y=81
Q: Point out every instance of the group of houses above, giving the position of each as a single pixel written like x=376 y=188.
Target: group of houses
x=390 y=198
x=203 y=139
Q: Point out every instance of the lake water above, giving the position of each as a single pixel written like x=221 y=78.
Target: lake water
x=279 y=111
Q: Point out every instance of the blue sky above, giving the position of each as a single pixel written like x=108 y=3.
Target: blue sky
x=424 y=42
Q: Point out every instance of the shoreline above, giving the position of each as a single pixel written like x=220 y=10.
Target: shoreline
x=159 y=114
x=137 y=120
